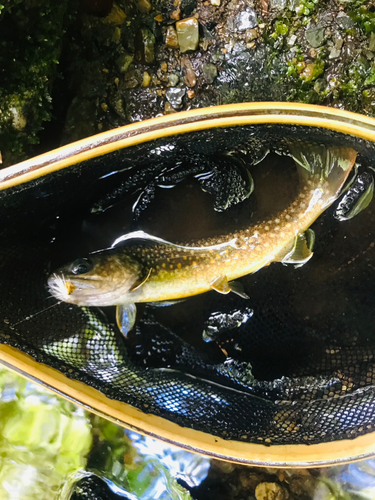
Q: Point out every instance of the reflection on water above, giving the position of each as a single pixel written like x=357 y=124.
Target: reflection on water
x=50 y=449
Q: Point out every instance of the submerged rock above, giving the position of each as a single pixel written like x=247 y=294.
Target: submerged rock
x=188 y=34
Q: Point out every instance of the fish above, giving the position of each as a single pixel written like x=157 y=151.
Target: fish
x=142 y=268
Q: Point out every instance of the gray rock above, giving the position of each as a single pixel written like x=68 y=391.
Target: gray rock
x=246 y=20
x=315 y=35
x=174 y=96
x=209 y=72
x=344 y=21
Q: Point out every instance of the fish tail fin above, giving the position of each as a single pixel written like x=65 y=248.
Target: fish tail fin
x=324 y=165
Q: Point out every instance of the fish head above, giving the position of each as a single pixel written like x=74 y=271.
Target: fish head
x=101 y=279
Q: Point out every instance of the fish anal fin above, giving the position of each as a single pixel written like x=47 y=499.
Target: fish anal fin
x=125 y=317
x=302 y=249
x=221 y=285
x=237 y=288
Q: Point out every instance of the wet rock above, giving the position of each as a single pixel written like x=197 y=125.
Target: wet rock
x=251 y=35
x=246 y=20
x=344 y=21
x=171 y=39
x=148 y=39
x=175 y=96
x=187 y=6
x=146 y=79
x=123 y=62
x=188 y=74
x=209 y=72
x=216 y=3
x=173 y=79
x=270 y=491
x=315 y=35
x=144 y=6
x=188 y=34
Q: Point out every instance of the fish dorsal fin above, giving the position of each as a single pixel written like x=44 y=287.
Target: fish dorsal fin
x=221 y=285
x=125 y=317
x=139 y=235
x=302 y=249
x=329 y=164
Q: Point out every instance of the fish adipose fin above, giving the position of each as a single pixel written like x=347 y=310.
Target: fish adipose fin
x=125 y=317
x=302 y=249
x=222 y=285
x=330 y=164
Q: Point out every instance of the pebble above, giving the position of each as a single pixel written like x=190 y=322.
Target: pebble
x=148 y=45
x=344 y=21
x=188 y=34
x=174 y=96
x=216 y=3
x=173 y=79
x=123 y=62
x=168 y=109
x=144 y=6
x=315 y=36
x=164 y=66
x=246 y=20
x=209 y=72
x=146 y=79
x=188 y=74
x=270 y=491
x=171 y=39
x=251 y=35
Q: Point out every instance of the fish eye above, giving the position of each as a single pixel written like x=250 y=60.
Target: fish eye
x=81 y=266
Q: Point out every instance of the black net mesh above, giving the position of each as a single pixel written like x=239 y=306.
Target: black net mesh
x=299 y=370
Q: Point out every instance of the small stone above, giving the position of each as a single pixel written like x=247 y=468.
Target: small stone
x=171 y=39
x=146 y=79
x=187 y=6
x=371 y=44
x=104 y=106
x=173 y=79
x=116 y=16
x=144 y=6
x=123 y=62
x=344 y=21
x=251 y=35
x=292 y=40
x=190 y=94
x=308 y=72
x=159 y=18
x=164 y=66
x=246 y=20
x=209 y=72
x=334 y=53
x=168 y=109
x=188 y=34
x=116 y=37
x=188 y=74
x=148 y=45
x=176 y=14
x=175 y=95
x=315 y=36
x=270 y=491
x=216 y=3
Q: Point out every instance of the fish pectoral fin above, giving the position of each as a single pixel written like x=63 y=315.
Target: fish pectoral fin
x=221 y=285
x=237 y=288
x=302 y=249
x=165 y=303
x=125 y=317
